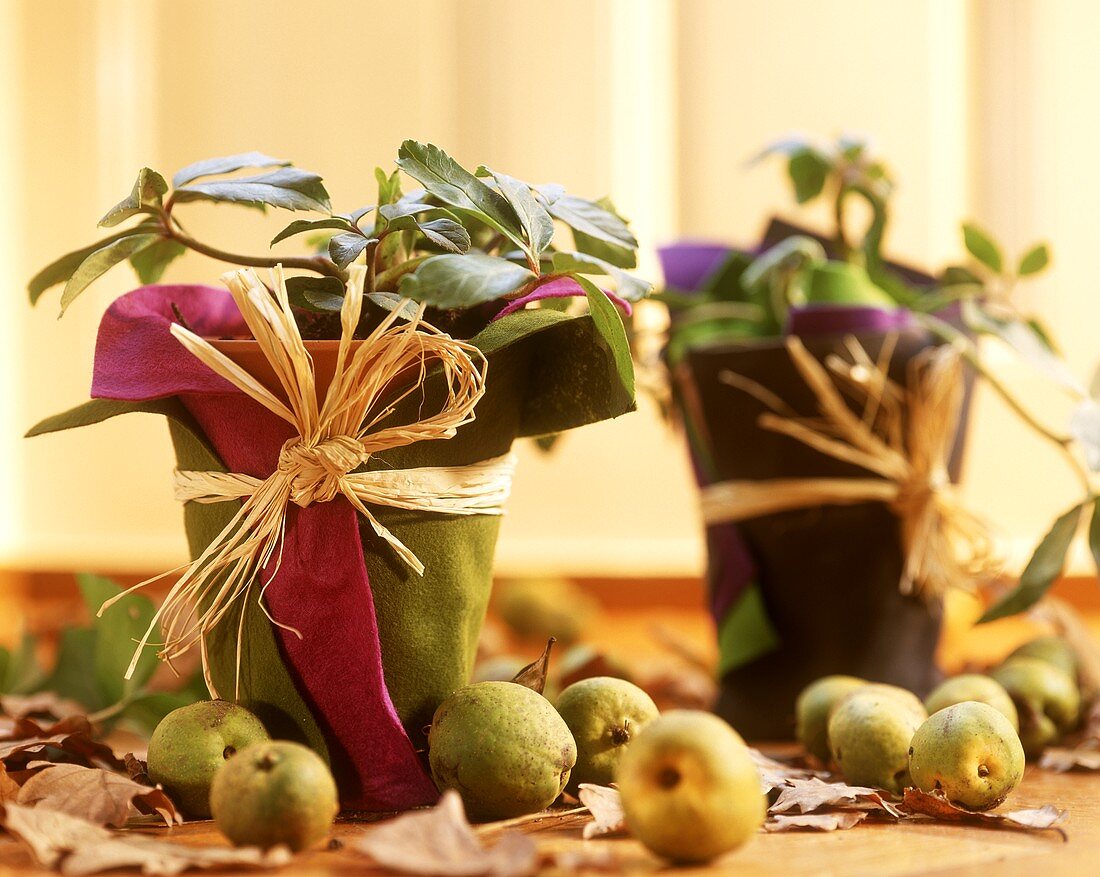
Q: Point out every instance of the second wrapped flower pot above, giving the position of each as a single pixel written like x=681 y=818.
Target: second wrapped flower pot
x=804 y=588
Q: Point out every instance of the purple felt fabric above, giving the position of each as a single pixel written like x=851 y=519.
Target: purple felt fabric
x=562 y=287
x=810 y=321
x=322 y=587
x=687 y=265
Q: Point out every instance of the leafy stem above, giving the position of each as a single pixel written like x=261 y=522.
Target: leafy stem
x=318 y=264
x=968 y=351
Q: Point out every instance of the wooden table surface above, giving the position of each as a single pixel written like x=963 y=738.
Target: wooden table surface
x=881 y=850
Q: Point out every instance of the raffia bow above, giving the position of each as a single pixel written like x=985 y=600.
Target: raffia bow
x=332 y=440
x=903 y=436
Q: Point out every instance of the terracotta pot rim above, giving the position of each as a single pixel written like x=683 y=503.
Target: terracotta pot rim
x=232 y=345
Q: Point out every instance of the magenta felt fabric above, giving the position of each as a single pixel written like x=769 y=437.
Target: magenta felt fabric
x=563 y=287
x=322 y=587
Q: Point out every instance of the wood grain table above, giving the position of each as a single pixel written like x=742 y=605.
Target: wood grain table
x=878 y=849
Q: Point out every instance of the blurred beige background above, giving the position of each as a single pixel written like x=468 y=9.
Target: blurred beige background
x=985 y=108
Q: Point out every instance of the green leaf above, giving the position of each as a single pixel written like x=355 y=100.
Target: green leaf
x=538 y=227
x=1044 y=567
x=450 y=281
x=19 y=669
x=620 y=257
x=389 y=186
x=408 y=206
x=345 y=248
x=587 y=217
x=300 y=226
x=150 y=263
x=609 y=324
x=446 y=233
x=982 y=247
x=1031 y=346
x=73 y=675
x=100 y=261
x=214 y=166
x=62 y=269
x=1034 y=260
x=146 y=197
x=287 y=187
x=319 y=294
x=627 y=285
x=117 y=633
x=391 y=301
x=959 y=275
x=808 y=170
x=443 y=177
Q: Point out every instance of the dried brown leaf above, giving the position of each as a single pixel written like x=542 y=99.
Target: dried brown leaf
x=100 y=796
x=936 y=806
x=44 y=703
x=809 y=795
x=9 y=788
x=440 y=843
x=680 y=686
x=606 y=807
x=1062 y=760
x=74 y=734
x=775 y=774
x=838 y=821
x=588 y=859
x=534 y=675
x=75 y=847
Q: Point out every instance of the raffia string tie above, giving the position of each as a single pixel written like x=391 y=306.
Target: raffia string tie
x=902 y=437
x=333 y=439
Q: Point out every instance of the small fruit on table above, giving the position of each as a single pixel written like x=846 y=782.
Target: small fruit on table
x=274 y=793
x=1052 y=649
x=604 y=714
x=1047 y=700
x=973 y=686
x=869 y=735
x=192 y=743
x=502 y=747
x=970 y=752
x=812 y=709
x=689 y=787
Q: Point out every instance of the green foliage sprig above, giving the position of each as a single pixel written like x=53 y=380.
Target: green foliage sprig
x=463 y=240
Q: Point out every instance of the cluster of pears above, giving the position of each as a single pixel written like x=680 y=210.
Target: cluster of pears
x=969 y=739
x=690 y=790
x=215 y=758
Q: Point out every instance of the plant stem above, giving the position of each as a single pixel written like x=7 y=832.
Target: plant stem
x=842 y=247
x=968 y=351
x=317 y=264
x=387 y=280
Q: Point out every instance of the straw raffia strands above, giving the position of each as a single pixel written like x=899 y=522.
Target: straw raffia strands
x=902 y=436
x=332 y=439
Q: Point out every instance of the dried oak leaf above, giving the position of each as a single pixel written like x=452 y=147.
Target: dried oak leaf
x=809 y=795
x=99 y=796
x=73 y=735
x=440 y=843
x=75 y=846
x=606 y=807
x=936 y=806
x=9 y=788
x=137 y=769
x=588 y=859
x=838 y=821
x=1062 y=760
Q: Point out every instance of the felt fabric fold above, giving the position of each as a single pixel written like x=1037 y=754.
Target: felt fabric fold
x=320 y=585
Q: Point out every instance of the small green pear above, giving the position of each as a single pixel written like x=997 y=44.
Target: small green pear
x=973 y=686
x=970 y=752
x=869 y=735
x=690 y=789
x=1052 y=649
x=191 y=744
x=812 y=709
x=1047 y=700
x=274 y=793
x=502 y=747
x=604 y=715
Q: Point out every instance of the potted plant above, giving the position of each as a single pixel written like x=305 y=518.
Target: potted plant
x=770 y=351
x=342 y=428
